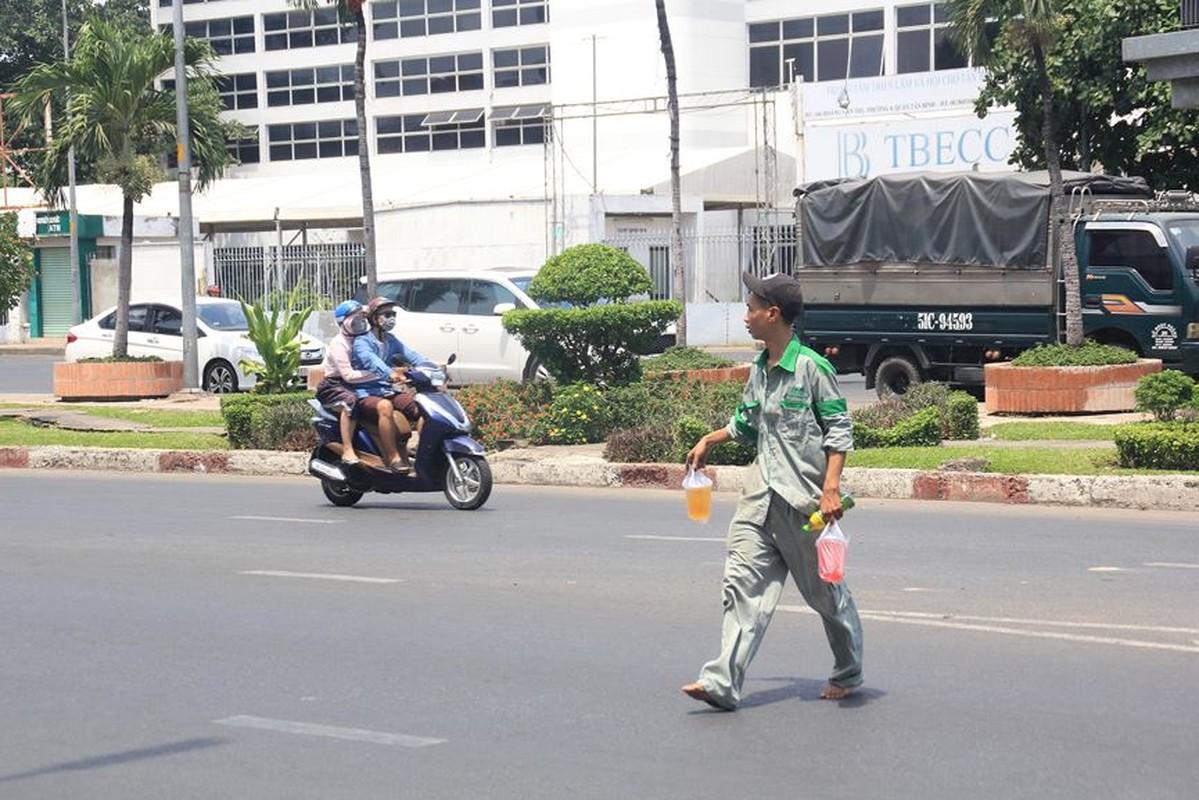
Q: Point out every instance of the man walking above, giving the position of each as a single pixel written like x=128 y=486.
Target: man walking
x=794 y=411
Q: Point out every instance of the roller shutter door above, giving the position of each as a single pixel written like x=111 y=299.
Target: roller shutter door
x=57 y=299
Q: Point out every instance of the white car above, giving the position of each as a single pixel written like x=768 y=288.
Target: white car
x=458 y=311
x=156 y=329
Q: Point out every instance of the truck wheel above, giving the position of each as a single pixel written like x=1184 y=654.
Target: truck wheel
x=895 y=375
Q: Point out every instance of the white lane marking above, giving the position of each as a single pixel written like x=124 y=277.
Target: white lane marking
x=328 y=731
x=270 y=573
x=973 y=623
x=1106 y=569
x=679 y=538
x=1171 y=565
x=289 y=519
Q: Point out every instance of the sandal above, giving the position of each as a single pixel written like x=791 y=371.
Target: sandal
x=350 y=460
x=399 y=467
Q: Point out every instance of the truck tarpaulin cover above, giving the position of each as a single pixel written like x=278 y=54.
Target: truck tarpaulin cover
x=986 y=219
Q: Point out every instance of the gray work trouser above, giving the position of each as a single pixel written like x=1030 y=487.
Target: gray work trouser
x=759 y=558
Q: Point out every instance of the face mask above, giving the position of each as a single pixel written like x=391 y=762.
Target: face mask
x=356 y=326
x=387 y=323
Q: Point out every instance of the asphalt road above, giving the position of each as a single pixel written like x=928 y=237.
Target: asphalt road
x=27 y=374
x=208 y=636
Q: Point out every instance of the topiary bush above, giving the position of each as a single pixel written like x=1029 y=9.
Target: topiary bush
x=265 y=421
x=600 y=337
x=1158 y=445
x=1089 y=354
x=959 y=419
x=1164 y=393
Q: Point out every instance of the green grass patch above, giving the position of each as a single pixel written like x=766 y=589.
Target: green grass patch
x=15 y=433
x=155 y=417
x=1004 y=460
x=1073 y=431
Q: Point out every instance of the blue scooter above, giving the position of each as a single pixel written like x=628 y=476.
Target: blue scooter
x=447 y=459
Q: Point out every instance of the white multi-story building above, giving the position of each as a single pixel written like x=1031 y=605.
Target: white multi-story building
x=503 y=131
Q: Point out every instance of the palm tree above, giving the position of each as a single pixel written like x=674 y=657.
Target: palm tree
x=676 y=234
x=1031 y=27
x=351 y=11
x=122 y=124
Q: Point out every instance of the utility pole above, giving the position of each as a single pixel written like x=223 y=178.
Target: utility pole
x=187 y=255
x=594 y=122
x=73 y=236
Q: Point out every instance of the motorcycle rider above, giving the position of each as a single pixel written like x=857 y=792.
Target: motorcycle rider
x=377 y=352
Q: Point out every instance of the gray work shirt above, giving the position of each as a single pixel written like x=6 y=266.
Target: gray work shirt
x=795 y=413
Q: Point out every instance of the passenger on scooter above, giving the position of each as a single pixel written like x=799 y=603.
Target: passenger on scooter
x=338 y=389
x=377 y=352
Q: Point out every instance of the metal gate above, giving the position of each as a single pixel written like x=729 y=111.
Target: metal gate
x=326 y=273
x=56 y=297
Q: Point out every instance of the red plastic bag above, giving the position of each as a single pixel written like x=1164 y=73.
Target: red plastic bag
x=831 y=547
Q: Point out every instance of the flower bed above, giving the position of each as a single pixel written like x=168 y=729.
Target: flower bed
x=1065 y=390
x=117 y=380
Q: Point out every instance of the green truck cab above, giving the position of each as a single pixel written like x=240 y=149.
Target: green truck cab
x=925 y=276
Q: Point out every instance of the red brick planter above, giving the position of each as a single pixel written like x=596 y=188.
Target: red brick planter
x=117 y=380
x=1064 y=390
x=739 y=374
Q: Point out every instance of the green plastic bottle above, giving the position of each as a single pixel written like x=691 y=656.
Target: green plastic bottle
x=816 y=521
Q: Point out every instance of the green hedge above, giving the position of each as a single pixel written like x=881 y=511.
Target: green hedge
x=921 y=429
x=267 y=421
x=960 y=420
x=1158 y=445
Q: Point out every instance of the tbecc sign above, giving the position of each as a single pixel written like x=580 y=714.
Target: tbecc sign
x=939 y=144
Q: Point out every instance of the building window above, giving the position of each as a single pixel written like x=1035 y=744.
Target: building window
x=517 y=125
x=434 y=75
x=246 y=151
x=440 y=130
x=922 y=42
x=292 y=30
x=406 y=18
x=332 y=138
x=526 y=66
x=825 y=48
x=229 y=36
x=300 y=87
x=510 y=13
x=238 y=91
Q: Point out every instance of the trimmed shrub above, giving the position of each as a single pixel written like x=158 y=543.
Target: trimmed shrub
x=1164 y=393
x=1158 y=445
x=688 y=431
x=960 y=417
x=265 y=421
x=595 y=344
x=505 y=410
x=921 y=429
x=587 y=274
x=1090 y=354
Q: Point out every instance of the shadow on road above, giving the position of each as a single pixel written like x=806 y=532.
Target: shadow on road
x=112 y=759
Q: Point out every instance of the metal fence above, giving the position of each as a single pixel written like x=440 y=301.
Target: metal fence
x=713 y=260
x=1190 y=13
x=326 y=273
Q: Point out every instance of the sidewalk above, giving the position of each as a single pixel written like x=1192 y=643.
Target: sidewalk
x=584 y=466
x=34 y=347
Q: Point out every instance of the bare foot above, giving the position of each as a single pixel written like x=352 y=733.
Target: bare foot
x=696 y=691
x=834 y=692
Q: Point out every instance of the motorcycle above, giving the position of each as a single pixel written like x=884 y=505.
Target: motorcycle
x=447 y=458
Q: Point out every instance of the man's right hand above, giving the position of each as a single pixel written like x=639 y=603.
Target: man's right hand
x=696 y=455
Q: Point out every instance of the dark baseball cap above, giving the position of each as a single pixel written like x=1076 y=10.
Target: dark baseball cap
x=778 y=290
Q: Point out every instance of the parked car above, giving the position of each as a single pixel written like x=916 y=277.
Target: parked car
x=458 y=311
x=156 y=329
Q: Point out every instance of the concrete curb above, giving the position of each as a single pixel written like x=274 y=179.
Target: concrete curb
x=524 y=467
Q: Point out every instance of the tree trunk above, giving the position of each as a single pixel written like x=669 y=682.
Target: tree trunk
x=364 y=157
x=677 y=268
x=120 y=338
x=1058 y=212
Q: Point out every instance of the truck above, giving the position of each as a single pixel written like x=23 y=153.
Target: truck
x=931 y=276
